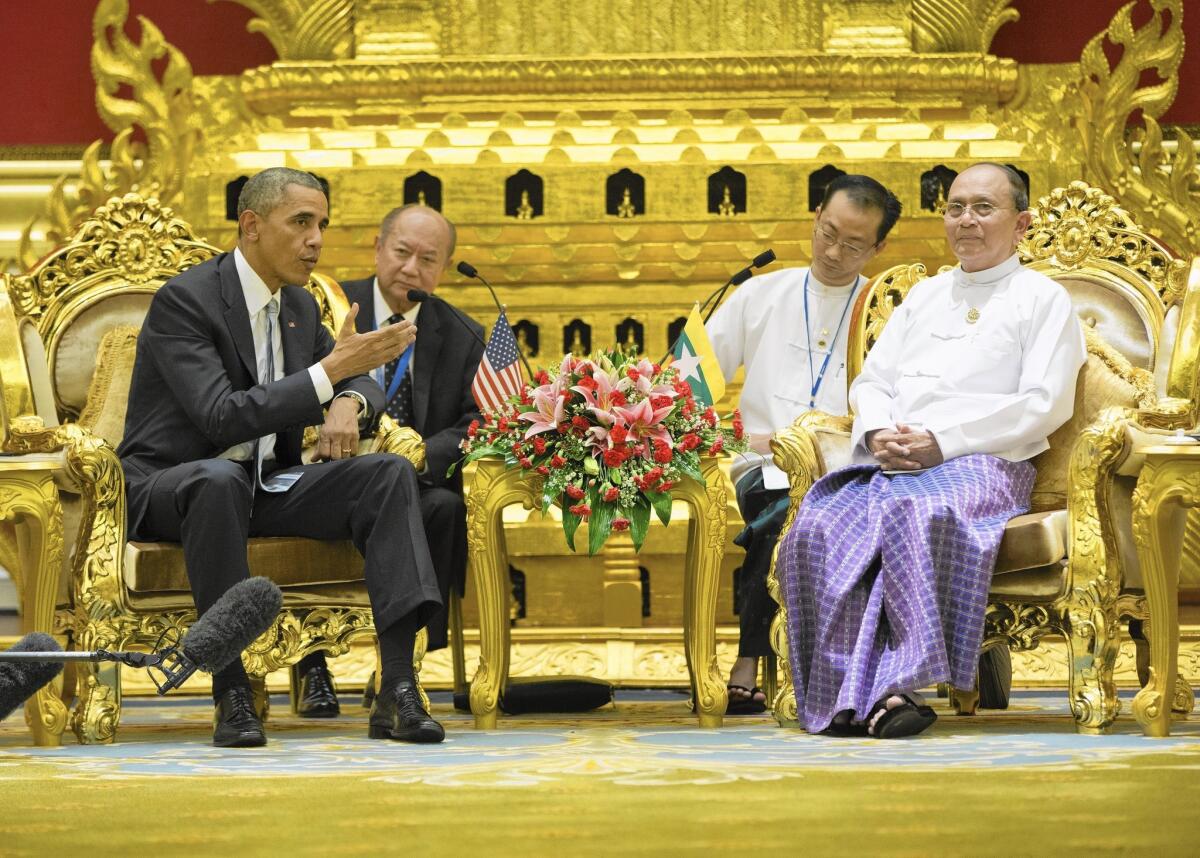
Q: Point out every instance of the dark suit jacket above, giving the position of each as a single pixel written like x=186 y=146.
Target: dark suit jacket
x=444 y=365
x=195 y=390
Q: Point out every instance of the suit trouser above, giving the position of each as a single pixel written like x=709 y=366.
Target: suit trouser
x=444 y=515
x=211 y=507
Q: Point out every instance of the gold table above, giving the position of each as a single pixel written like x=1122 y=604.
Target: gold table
x=495 y=486
x=1169 y=479
x=29 y=499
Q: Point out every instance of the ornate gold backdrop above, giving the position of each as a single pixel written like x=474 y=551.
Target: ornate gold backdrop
x=609 y=163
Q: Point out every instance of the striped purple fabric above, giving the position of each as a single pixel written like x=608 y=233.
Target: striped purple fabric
x=886 y=579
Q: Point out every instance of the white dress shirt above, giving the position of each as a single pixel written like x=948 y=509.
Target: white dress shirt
x=258 y=297
x=999 y=385
x=382 y=313
x=761 y=327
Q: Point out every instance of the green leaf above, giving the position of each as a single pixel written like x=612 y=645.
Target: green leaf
x=639 y=522
x=661 y=501
x=570 y=522
x=689 y=463
x=599 y=522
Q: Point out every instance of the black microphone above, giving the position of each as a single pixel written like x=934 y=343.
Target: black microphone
x=244 y=611
x=466 y=269
x=21 y=680
x=417 y=296
x=739 y=277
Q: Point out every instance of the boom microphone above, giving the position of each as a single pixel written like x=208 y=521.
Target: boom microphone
x=466 y=269
x=244 y=611
x=418 y=296
x=21 y=680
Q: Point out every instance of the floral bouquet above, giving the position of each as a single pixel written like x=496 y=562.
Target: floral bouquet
x=610 y=435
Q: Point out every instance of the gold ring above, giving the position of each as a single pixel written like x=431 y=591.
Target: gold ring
x=347 y=449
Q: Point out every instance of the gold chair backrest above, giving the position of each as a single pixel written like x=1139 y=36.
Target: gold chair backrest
x=1122 y=281
x=104 y=277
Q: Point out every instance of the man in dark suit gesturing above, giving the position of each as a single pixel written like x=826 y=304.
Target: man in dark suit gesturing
x=430 y=390
x=232 y=364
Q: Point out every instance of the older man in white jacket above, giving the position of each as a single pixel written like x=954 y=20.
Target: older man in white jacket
x=886 y=570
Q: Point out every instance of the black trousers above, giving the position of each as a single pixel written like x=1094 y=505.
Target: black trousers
x=444 y=515
x=212 y=507
x=763 y=510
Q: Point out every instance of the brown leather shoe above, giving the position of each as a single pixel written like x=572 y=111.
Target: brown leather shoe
x=235 y=723
x=318 y=699
x=398 y=715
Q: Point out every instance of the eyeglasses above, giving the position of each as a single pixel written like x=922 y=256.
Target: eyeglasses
x=981 y=210
x=851 y=250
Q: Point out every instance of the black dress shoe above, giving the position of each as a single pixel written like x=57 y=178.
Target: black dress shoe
x=235 y=723
x=317 y=697
x=399 y=715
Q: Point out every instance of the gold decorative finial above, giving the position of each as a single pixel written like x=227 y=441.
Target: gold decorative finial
x=625 y=209
x=524 y=210
x=725 y=208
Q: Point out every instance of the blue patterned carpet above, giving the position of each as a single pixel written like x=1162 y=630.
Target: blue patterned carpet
x=646 y=739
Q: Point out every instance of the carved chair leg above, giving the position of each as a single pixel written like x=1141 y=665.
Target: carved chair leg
x=1092 y=645
x=294 y=687
x=98 y=711
x=770 y=679
x=1185 y=700
x=784 y=701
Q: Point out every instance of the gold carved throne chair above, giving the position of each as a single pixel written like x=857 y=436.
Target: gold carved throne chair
x=1068 y=567
x=70 y=329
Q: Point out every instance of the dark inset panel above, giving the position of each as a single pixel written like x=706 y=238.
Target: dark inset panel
x=625 y=194
x=727 y=192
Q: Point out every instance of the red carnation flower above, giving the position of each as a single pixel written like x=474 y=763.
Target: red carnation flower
x=690 y=441
x=682 y=388
x=503 y=424
x=618 y=434
x=710 y=416
x=473 y=429
x=660 y=400
x=632 y=373
x=575 y=492
x=543 y=470
x=662 y=451
x=526 y=464
x=557 y=461
x=665 y=486
x=717 y=446
x=542 y=377
x=539 y=444
x=620 y=524
x=612 y=493
x=613 y=458
x=582 y=510
x=587 y=381
x=580 y=423
x=618 y=398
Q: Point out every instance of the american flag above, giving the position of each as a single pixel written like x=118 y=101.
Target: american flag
x=499 y=374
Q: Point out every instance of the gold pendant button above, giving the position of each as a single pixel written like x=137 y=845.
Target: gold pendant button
x=972 y=316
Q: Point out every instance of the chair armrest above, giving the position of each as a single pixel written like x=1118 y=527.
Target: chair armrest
x=401 y=440
x=798 y=448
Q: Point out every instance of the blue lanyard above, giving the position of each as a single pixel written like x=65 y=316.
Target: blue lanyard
x=812 y=395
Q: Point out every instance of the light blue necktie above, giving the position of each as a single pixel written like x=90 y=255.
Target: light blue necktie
x=277 y=482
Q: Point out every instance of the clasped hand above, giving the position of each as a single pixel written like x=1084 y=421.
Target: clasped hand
x=904 y=448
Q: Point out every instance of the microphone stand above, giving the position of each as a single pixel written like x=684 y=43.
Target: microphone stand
x=718 y=294
x=172 y=663
x=466 y=269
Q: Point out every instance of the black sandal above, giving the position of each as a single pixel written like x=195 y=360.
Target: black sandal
x=907 y=719
x=844 y=726
x=745 y=705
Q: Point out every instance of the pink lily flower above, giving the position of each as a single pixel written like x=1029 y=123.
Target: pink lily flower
x=548 y=410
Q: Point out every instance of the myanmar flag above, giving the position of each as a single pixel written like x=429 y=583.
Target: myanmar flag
x=696 y=363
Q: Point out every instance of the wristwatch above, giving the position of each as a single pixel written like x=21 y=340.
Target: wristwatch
x=363 y=407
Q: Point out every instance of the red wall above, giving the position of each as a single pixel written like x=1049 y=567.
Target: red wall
x=46 y=81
